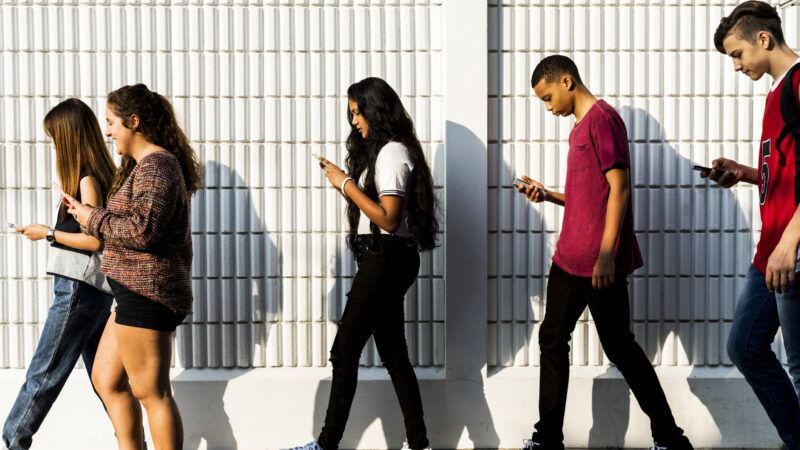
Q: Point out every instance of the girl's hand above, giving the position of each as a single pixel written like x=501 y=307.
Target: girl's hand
x=334 y=174
x=78 y=210
x=34 y=231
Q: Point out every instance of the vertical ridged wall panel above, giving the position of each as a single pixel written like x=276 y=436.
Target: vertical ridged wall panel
x=682 y=104
x=258 y=87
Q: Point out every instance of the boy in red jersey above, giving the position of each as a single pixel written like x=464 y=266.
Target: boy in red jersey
x=751 y=35
x=596 y=252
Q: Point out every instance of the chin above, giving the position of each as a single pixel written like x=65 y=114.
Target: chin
x=755 y=76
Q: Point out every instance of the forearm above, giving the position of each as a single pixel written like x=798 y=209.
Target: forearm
x=127 y=231
x=791 y=235
x=750 y=175
x=78 y=241
x=615 y=213
x=556 y=197
x=374 y=211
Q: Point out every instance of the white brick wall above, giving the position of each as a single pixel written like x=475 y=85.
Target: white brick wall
x=683 y=105
x=258 y=86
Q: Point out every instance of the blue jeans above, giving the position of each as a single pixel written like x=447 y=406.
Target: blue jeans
x=73 y=328
x=758 y=316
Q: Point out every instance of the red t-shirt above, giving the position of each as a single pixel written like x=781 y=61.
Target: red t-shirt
x=597 y=144
x=776 y=174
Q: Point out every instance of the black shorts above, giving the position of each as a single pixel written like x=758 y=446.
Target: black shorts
x=135 y=310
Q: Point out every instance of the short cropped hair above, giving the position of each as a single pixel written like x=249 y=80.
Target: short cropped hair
x=552 y=67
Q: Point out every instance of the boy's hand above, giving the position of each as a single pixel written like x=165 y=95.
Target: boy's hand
x=603 y=271
x=535 y=193
x=726 y=172
x=781 y=267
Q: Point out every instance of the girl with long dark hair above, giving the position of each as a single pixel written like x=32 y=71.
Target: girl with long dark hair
x=391 y=212
x=147 y=260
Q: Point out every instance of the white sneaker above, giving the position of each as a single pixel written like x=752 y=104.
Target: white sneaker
x=406 y=447
x=313 y=445
x=530 y=444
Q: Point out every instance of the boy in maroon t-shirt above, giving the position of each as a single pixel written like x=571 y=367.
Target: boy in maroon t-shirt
x=596 y=251
x=770 y=298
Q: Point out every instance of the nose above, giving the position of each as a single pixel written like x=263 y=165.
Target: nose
x=737 y=66
x=355 y=121
x=108 y=132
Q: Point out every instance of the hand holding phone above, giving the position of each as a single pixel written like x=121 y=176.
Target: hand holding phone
x=533 y=193
x=705 y=170
x=520 y=182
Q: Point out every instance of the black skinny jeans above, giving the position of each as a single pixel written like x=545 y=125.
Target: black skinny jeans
x=567 y=297
x=375 y=307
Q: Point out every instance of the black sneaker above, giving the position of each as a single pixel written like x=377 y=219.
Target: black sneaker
x=679 y=443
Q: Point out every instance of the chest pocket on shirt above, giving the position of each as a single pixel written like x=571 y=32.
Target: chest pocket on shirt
x=580 y=158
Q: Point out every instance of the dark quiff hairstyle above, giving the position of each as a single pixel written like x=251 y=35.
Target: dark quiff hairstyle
x=554 y=66
x=746 y=20
x=158 y=125
x=389 y=121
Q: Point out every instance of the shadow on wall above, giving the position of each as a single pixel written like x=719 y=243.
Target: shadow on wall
x=375 y=400
x=523 y=247
x=233 y=304
x=696 y=244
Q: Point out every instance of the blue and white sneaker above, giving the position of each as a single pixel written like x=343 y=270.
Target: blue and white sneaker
x=313 y=445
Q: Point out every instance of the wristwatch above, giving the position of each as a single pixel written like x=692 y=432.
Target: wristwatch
x=51 y=235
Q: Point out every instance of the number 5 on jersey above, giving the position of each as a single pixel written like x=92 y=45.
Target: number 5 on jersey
x=766 y=146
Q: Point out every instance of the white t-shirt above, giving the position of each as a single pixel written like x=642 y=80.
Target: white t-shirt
x=392 y=169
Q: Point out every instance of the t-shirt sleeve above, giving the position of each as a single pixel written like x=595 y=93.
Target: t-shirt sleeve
x=392 y=169
x=611 y=142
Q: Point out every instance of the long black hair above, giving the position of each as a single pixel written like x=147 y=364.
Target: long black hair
x=389 y=121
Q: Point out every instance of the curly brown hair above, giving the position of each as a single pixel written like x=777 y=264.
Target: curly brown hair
x=158 y=125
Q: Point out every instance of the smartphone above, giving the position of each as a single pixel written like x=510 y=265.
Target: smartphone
x=322 y=162
x=57 y=186
x=707 y=170
x=520 y=182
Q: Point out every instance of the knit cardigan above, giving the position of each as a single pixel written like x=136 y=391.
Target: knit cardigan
x=146 y=229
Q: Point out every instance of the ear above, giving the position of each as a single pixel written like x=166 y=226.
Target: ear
x=134 y=122
x=567 y=82
x=765 y=40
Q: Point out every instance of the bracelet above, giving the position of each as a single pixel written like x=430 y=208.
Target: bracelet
x=344 y=183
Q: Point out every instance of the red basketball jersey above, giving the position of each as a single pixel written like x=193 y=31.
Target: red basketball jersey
x=776 y=176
